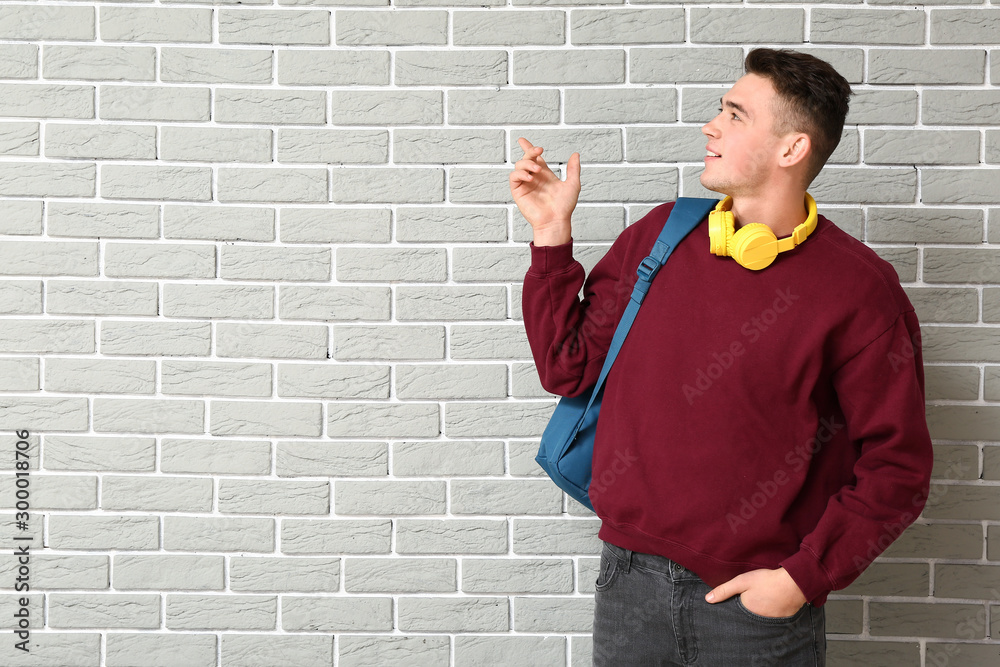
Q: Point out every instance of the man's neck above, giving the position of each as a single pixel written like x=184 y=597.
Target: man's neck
x=782 y=214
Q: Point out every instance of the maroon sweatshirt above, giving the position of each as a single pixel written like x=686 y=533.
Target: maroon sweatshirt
x=753 y=419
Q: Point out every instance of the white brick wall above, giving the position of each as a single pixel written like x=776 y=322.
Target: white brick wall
x=260 y=312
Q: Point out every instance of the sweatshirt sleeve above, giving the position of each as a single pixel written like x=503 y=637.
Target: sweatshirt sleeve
x=570 y=337
x=881 y=392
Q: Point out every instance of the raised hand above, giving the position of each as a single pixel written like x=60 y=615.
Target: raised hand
x=544 y=200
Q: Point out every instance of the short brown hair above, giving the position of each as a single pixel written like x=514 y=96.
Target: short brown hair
x=815 y=98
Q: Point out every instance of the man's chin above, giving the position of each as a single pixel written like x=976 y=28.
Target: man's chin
x=714 y=187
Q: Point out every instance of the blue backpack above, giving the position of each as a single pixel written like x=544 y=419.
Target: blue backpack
x=567 y=447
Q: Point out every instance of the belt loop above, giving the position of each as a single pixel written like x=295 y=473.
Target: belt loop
x=628 y=559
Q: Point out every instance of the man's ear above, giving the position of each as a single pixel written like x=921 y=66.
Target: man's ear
x=797 y=147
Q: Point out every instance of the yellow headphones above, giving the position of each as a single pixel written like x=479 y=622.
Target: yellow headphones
x=754 y=246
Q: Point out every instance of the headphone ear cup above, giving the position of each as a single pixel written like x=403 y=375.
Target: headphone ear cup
x=755 y=246
x=720 y=232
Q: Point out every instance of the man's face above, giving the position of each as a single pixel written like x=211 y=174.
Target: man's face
x=743 y=137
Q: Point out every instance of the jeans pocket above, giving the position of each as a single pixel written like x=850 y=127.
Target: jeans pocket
x=769 y=619
x=609 y=570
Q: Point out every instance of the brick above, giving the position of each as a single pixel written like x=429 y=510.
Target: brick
x=218 y=301
x=621 y=105
x=152 y=494
x=737 y=26
x=385 y=264
x=336 y=303
x=317 y=536
x=22 y=217
x=553 y=614
x=400 y=575
x=867 y=26
x=266 y=418
x=19 y=61
x=388 y=651
x=388 y=497
x=956 y=343
x=43 y=413
x=627 y=26
x=336 y=614
x=385 y=342
x=19 y=138
x=926 y=66
x=569 y=66
x=148 y=338
x=285 y=575
x=510 y=651
x=451 y=303
x=159 y=103
x=921 y=619
x=505 y=496
x=417 y=420
x=853 y=185
x=52 y=492
x=252 y=262
x=335 y=226
x=333 y=146
x=116 y=376
x=279 y=26
x=47 y=22
x=451 y=68
x=664 y=144
x=236 y=457
x=263 y=650
x=361 y=185
x=503 y=106
x=522 y=575
x=72 y=649
x=508 y=28
x=961 y=107
x=155 y=24
x=960 y=383
x=450 y=224
x=146 y=415
x=281 y=341
x=488 y=342
x=159 y=260
x=924 y=225
x=593 y=145
x=271 y=107
x=215 y=144
x=112 y=611
x=555 y=536
x=398 y=28
x=20 y=373
x=965 y=186
x=333 y=459
x=71 y=571
x=160 y=649
x=628 y=184
x=447 y=146
x=245 y=496
x=191 y=533
x=448 y=458
x=333 y=381
x=132 y=454
x=883 y=107
x=21 y=179
x=495 y=419
x=957 y=422
x=42 y=100
x=945 y=304
x=685 y=65
x=220 y=379
x=123 y=142
x=221 y=612
x=306 y=67
x=964 y=26
x=218 y=223
x=466 y=614
x=21 y=297
x=451 y=381
x=156 y=182
x=922 y=146
x=103 y=532
x=387 y=107
x=428 y=536
x=467 y=185
x=99 y=63
x=214 y=65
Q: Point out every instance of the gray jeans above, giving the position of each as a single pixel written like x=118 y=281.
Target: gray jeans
x=651 y=612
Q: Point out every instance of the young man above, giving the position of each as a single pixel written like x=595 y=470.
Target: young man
x=762 y=435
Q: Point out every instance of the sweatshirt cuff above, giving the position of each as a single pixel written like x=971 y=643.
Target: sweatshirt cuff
x=550 y=258
x=808 y=574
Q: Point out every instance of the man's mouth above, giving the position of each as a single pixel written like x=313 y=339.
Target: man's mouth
x=709 y=155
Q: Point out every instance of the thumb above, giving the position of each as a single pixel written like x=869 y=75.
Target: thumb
x=573 y=169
